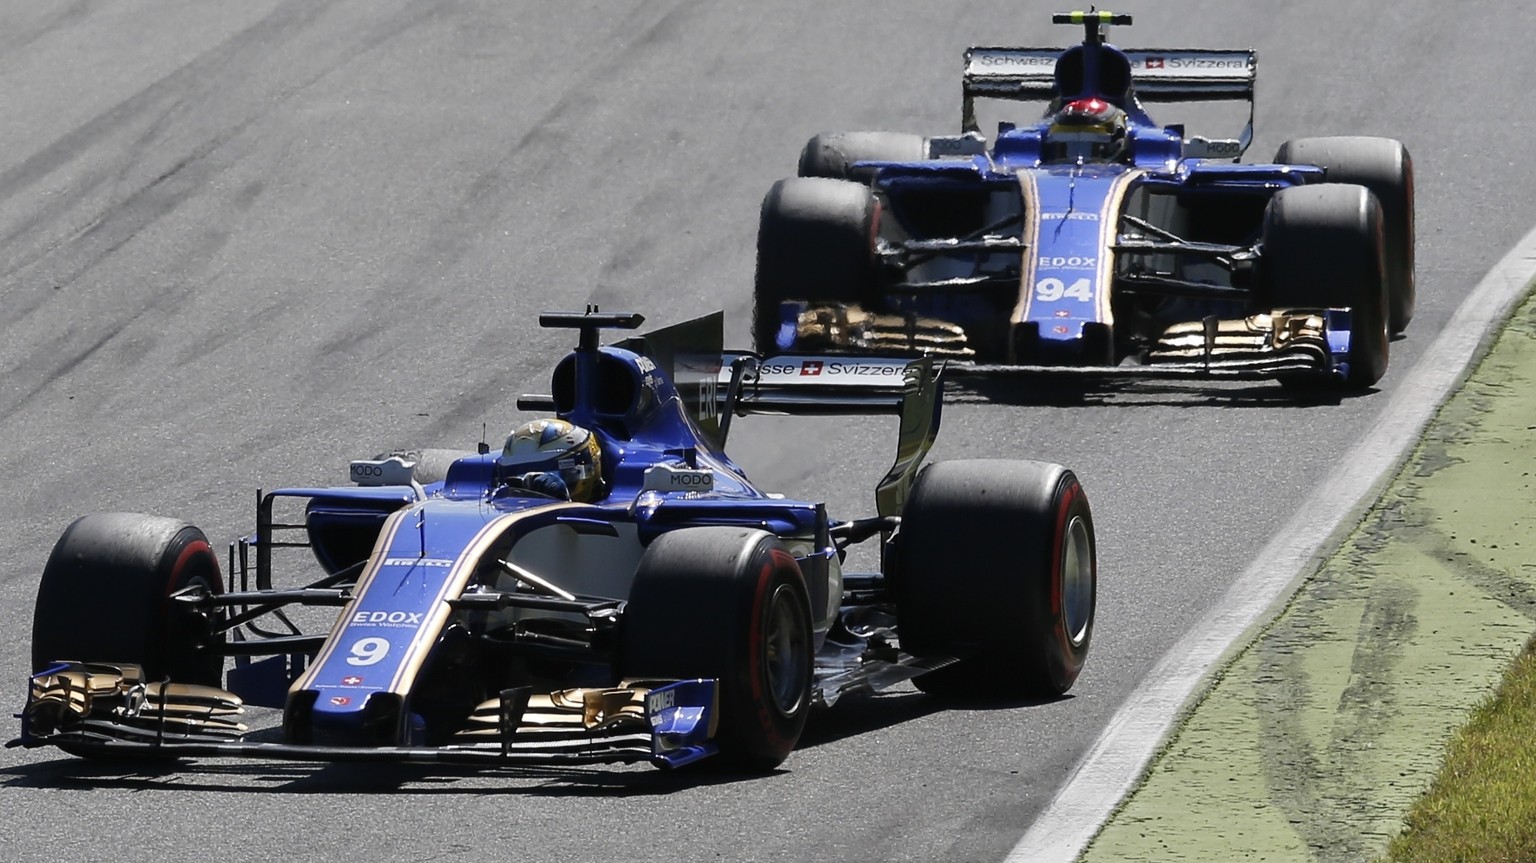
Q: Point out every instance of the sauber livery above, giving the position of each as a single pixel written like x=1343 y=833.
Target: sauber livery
x=1029 y=249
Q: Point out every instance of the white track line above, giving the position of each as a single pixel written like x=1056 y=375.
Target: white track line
x=1120 y=756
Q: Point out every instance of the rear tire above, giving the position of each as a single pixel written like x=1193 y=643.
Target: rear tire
x=995 y=563
x=833 y=154
x=104 y=597
x=815 y=242
x=1323 y=249
x=727 y=603
x=1383 y=166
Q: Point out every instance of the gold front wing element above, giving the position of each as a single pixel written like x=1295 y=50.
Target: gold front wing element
x=568 y=710
x=1244 y=338
x=98 y=700
x=844 y=327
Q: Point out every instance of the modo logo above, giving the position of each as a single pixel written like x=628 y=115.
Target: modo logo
x=691 y=479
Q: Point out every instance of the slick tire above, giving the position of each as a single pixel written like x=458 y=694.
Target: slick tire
x=104 y=597
x=727 y=603
x=431 y=464
x=834 y=154
x=1383 y=166
x=995 y=564
x=1323 y=247
x=815 y=242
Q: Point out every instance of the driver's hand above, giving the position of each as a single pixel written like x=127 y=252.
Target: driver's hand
x=547 y=483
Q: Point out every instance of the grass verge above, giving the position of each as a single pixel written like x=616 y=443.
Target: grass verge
x=1482 y=805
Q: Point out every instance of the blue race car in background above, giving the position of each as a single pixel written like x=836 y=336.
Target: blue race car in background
x=1095 y=240
x=650 y=604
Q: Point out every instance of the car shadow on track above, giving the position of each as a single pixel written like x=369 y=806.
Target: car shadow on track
x=1043 y=392
x=862 y=714
x=857 y=715
x=67 y=773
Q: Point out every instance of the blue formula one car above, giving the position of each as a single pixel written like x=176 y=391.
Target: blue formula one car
x=1095 y=240
x=608 y=587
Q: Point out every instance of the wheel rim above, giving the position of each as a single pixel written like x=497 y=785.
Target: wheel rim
x=1077 y=582
x=785 y=649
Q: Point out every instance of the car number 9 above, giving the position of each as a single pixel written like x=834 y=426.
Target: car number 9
x=368 y=651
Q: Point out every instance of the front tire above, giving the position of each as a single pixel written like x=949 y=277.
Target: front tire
x=834 y=154
x=104 y=597
x=431 y=464
x=728 y=603
x=995 y=564
x=815 y=242
x=1323 y=248
x=1383 y=166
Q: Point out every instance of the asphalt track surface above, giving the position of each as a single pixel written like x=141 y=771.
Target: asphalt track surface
x=243 y=243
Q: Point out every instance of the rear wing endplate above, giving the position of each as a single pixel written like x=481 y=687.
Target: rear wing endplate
x=1157 y=75
x=690 y=355
x=803 y=385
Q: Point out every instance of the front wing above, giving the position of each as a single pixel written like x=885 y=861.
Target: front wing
x=1256 y=347
x=112 y=709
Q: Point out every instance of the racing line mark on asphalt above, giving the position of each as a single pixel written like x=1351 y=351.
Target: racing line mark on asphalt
x=1116 y=762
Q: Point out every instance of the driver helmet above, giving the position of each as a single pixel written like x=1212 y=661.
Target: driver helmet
x=1085 y=129
x=554 y=446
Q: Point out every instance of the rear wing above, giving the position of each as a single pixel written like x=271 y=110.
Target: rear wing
x=1156 y=75
x=833 y=385
x=823 y=385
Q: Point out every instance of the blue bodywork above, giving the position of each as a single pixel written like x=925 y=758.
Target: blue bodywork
x=430 y=549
